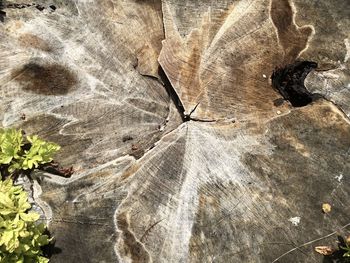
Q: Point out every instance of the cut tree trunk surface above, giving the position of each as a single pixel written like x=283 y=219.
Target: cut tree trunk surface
x=182 y=147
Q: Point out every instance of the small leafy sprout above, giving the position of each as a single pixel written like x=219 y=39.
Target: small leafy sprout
x=22 y=154
x=40 y=152
x=21 y=237
x=11 y=142
x=346 y=249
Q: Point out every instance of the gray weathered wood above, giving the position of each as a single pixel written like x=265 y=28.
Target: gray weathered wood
x=148 y=187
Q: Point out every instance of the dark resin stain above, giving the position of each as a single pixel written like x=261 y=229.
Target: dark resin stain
x=32 y=41
x=278 y=102
x=289 y=82
x=2 y=13
x=51 y=79
x=292 y=38
x=4 y=5
x=130 y=245
x=2 y=16
x=40 y=7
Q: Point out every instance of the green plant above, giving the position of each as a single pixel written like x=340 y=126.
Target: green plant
x=19 y=153
x=346 y=249
x=21 y=237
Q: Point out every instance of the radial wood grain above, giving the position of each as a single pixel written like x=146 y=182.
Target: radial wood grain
x=242 y=181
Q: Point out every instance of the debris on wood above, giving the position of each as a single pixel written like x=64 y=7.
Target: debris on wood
x=326 y=208
x=325 y=250
x=56 y=169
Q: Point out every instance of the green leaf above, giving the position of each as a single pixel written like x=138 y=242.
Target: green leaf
x=5 y=159
x=21 y=236
x=42 y=260
x=41 y=152
x=10 y=144
x=23 y=204
x=347 y=249
x=30 y=217
x=12 y=154
x=5 y=201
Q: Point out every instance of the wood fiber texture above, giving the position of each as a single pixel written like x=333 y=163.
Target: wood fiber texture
x=108 y=81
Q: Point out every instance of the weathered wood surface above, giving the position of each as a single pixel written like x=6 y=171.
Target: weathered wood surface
x=149 y=187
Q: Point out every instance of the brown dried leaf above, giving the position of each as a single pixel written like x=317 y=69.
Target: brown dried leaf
x=325 y=250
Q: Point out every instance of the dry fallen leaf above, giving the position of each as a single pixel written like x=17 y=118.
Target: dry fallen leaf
x=325 y=250
x=326 y=208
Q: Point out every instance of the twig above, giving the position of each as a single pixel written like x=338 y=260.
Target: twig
x=308 y=243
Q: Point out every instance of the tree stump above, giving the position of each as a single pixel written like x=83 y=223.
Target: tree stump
x=183 y=149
